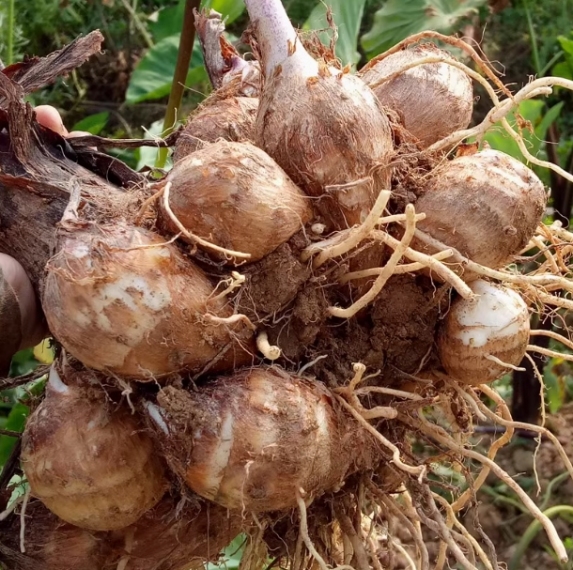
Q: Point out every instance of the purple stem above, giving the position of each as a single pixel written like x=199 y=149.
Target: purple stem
x=275 y=34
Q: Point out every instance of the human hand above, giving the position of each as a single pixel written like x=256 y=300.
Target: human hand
x=22 y=324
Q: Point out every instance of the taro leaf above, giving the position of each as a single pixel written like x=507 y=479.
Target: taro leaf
x=168 y=20
x=565 y=68
x=231 y=558
x=347 y=16
x=152 y=77
x=397 y=20
x=148 y=154
x=16 y=422
x=532 y=111
x=229 y=9
x=92 y=124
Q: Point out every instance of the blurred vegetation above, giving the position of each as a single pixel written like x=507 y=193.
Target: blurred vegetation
x=123 y=92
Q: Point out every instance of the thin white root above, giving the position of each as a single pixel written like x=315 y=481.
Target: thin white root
x=229 y=253
x=405 y=554
x=346 y=240
x=504 y=364
x=538 y=242
x=127 y=547
x=511 y=424
x=398 y=270
x=6 y=513
x=548 y=352
x=148 y=246
x=386 y=272
x=437 y=433
x=542 y=86
x=546 y=279
x=350 y=393
x=399 y=218
x=233 y=319
x=435 y=522
x=269 y=351
x=419 y=471
x=145 y=206
x=496 y=114
x=452 y=519
x=23 y=520
x=304 y=531
x=235 y=281
x=388 y=392
x=414 y=529
x=555 y=336
x=310 y=364
x=446 y=274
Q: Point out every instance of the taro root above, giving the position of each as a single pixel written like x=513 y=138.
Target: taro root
x=480 y=339
x=51 y=544
x=230 y=119
x=486 y=205
x=174 y=536
x=120 y=299
x=433 y=99
x=88 y=460
x=165 y=538
x=257 y=439
x=235 y=196
x=325 y=127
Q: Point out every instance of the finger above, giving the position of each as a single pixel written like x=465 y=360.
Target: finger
x=10 y=324
x=50 y=118
x=73 y=134
x=32 y=323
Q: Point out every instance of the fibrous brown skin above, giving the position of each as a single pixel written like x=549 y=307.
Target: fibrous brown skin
x=486 y=205
x=479 y=335
x=326 y=131
x=51 y=544
x=165 y=538
x=253 y=440
x=176 y=537
x=324 y=127
x=88 y=460
x=235 y=196
x=120 y=299
x=433 y=99
x=230 y=119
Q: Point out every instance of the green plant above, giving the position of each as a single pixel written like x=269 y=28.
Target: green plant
x=564 y=511
x=397 y=20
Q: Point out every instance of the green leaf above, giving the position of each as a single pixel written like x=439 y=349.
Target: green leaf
x=148 y=154
x=542 y=127
x=231 y=556
x=229 y=9
x=497 y=137
x=397 y=20
x=92 y=123
x=554 y=390
x=16 y=422
x=23 y=362
x=532 y=111
x=563 y=69
x=152 y=77
x=347 y=16
x=566 y=44
x=167 y=21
